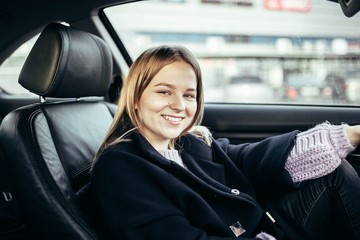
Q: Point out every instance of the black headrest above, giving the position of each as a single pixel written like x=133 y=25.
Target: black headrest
x=66 y=62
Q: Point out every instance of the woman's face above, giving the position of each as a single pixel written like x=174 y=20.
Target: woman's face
x=168 y=104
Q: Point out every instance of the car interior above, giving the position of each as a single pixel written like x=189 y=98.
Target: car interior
x=74 y=70
x=50 y=145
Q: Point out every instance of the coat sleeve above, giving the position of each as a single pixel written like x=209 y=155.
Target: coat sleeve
x=135 y=204
x=263 y=162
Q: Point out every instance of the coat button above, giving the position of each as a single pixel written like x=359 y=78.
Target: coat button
x=235 y=192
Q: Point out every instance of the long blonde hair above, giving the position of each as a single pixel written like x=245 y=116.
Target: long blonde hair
x=141 y=73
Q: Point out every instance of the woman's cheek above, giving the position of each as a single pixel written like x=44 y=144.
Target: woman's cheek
x=193 y=108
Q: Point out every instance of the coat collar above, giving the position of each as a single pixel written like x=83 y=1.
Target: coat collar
x=148 y=149
x=197 y=157
x=188 y=145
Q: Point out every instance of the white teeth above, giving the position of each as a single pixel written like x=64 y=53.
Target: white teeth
x=172 y=119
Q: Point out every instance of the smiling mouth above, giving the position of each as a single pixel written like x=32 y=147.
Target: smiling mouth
x=172 y=118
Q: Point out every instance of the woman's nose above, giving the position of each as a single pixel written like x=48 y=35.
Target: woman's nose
x=177 y=103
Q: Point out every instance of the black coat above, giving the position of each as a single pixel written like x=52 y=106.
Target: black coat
x=142 y=195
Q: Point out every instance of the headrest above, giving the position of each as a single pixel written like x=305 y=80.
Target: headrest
x=66 y=62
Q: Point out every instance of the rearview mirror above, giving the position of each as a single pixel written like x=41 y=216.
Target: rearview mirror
x=350 y=7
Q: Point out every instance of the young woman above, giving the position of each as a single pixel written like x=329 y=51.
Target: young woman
x=159 y=175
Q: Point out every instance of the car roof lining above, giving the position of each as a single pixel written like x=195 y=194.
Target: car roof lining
x=14 y=18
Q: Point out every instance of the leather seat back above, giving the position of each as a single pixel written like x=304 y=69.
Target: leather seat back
x=50 y=146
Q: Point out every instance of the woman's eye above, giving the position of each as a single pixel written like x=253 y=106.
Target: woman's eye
x=190 y=96
x=164 y=92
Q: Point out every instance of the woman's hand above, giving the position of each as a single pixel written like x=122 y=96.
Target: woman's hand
x=353 y=134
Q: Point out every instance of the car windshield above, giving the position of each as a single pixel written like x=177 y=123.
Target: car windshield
x=288 y=46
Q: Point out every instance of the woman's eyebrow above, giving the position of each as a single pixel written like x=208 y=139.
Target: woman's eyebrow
x=191 y=89
x=166 y=85
x=173 y=86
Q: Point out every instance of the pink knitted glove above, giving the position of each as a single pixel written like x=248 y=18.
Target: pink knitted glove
x=318 y=152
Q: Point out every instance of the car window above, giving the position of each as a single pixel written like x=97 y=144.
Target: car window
x=10 y=70
x=245 y=80
x=302 y=51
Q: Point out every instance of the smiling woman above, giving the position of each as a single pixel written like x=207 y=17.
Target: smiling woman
x=166 y=85
x=186 y=184
x=168 y=104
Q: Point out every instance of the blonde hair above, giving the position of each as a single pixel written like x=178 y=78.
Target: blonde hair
x=141 y=73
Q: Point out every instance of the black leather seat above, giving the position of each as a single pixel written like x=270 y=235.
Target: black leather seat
x=50 y=146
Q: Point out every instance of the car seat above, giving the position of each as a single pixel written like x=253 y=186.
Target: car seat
x=49 y=146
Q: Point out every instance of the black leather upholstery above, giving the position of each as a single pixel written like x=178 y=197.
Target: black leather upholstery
x=50 y=146
x=69 y=60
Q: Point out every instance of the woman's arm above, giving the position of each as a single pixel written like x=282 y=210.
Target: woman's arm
x=263 y=162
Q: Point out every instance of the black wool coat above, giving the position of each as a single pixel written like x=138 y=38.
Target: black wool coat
x=223 y=190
